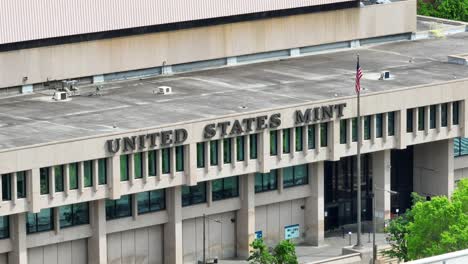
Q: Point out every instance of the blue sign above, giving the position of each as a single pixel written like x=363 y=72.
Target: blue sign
x=291 y=231
x=259 y=234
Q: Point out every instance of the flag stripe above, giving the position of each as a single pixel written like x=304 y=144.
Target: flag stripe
x=358 y=77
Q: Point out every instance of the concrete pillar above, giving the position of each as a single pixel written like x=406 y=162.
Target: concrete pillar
x=81 y=176
x=14 y=187
x=158 y=164
x=35 y=195
x=245 y=218
x=400 y=128
x=314 y=206
x=114 y=177
x=335 y=139
x=144 y=157
x=172 y=154
x=97 y=243
x=305 y=140
x=381 y=162
x=66 y=179
x=264 y=150
x=173 y=253
x=317 y=138
x=438 y=117
x=190 y=167
x=433 y=168
x=220 y=154
x=279 y=143
x=19 y=252
x=95 y=175
x=233 y=152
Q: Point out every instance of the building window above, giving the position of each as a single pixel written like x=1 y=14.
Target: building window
x=421 y=118
x=286 y=140
x=460 y=146
x=432 y=116
x=367 y=127
x=44 y=180
x=323 y=134
x=151 y=201
x=273 y=142
x=40 y=222
x=201 y=155
x=266 y=181
x=73 y=173
x=444 y=114
x=74 y=214
x=179 y=150
x=88 y=173
x=227 y=150
x=119 y=208
x=240 y=151
x=138 y=165
x=214 y=153
x=253 y=146
x=152 y=156
x=59 y=174
x=124 y=167
x=391 y=123
x=4 y=227
x=343 y=131
x=102 y=171
x=21 y=184
x=6 y=187
x=456 y=112
x=225 y=188
x=378 y=125
x=311 y=137
x=166 y=160
x=354 y=131
x=296 y=175
x=409 y=120
x=299 y=139
x=194 y=194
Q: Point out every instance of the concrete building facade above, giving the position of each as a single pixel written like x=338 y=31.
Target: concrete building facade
x=123 y=173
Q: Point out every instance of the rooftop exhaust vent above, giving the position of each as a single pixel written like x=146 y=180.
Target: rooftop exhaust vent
x=163 y=90
x=60 y=96
x=460 y=59
x=385 y=75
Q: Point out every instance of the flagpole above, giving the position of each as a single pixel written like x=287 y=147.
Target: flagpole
x=358 y=168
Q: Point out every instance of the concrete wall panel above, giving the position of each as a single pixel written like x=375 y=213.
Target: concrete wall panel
x=72 y=252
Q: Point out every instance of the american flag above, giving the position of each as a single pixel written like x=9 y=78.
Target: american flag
x=358 y=77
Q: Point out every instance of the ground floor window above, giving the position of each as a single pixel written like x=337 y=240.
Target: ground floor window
x=74 y=214
x=194 y=194
x=40 y=222
x=4 y=227
x=225 y=188
x=119 y=208
x=266 y=181
x=151 y=201
x=295 y=175
x=460 y=146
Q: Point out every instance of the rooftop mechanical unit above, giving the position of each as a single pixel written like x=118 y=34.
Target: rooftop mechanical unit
x=60 y=96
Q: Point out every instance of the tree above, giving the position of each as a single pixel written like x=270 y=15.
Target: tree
x=260 y=253
x=431 y=227
x=449 y=9
x=285 y=253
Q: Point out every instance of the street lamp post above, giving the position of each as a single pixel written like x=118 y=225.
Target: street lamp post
x=374 y=222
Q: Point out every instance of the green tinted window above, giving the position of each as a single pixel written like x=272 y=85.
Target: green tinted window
x=179 y=158
x=240 y=151
x=298 y=140
x=4 y=226
x=73 y=214
x=421 y=118
x=343 y=131
x=378 y=125
x=124 y=168
x=214 y=152
x=266 y=181
x=20 y=186
x=432 y=116
x=151 y=201
x=324 y=134
x=138 y=165
x=166 y=160
x=296 y=175
x=456 y=113
x=444 y=114
x=391 y=123
x=152 y=163
x=201 y=155
x=225 y=188
x=253 y=146
x=273 y=142
x=367 y=127
x=44 y=179
x=227 y=150
x=42 y=221
x=58 y=170
x=409 y=120
x=102 y=170
x=311 y=137
x=88 y=173
x=119 y=208
x=194 y=194
x=286 y=140
x=354 y=128
x=6 y=187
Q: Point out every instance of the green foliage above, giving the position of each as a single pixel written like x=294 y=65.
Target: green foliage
x=283 y=253
x=431 y=227
x=449 y=9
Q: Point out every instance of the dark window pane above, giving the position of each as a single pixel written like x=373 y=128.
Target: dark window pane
x=296 y=175
x=4 y=227
x=456 y=112
x=343 y=131
x=324 y=134
x=102 y=167
x=288 y=176
x=88 y=173
x=444 y=114
x=421 y=118
x=73 y=173
x=286 y=140
x=311 y=137
x=253 y=146
x=378 y=125
x=152 y=163
x=266 y=181
x=66 y=215
x=214 y=153
x=138 y=165
x=273 y=142
x=166 y=160
x=44 y=180
x=391 y=123
x=194 y=194
x=123 y=206
x=179 y=158
x=157 y=200
x=225 y=188
x=42 y=221
x=354 y=129
x=240 y=151
x=299 y=139
x=143 y=202
x=367 y=127
x=59 y=174
x=227 y=150
x=124 y=168
x=80 y=214
x=21 y=184
x=201 y=155
x=432 y=116
x=409 y=120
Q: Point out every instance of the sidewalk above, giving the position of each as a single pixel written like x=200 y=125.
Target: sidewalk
x=330 y=248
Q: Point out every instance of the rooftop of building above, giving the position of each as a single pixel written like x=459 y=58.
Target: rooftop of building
x=127 y=105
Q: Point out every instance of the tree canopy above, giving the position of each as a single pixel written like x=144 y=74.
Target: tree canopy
x=449 y=9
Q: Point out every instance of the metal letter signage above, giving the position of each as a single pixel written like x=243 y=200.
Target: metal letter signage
x=317 y=114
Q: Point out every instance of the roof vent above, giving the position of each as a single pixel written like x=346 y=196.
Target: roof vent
x=460 y=59
x=385 y=75
x=163 y=90
x=60 y=96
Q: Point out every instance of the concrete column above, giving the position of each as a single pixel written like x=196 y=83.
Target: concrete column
x=349 y=132
x=400 y=128
x=19 y=252
x=245 y=216
x=95 y=174
x=246 y=150
x=427 y=120
x=415 y=121
x=190 y=165
x=373 y=125
x=114 y=177
x=233 y=152
x=14 y=188
x=97 y=243
x=438 y=117
x=385 y=126
x=335 y=139
x=51 y=181
x=207 y=155
x=279 y=143
x=292 y=141
x=209 y=193
x=158 y=164
x=173 y=253
x=131 y=168
x=305 y=140
x=66 y=179
x=81 y=176
x=317 y=138
x=280 y=180
x=314 y=206
x=220 y=154
x=144 y=157
x=449 y=116
x=264 y=150
x=56 y=219
x=463 y=117
x=433 y=168
x=172 y=154
x=35 y=195
x=381 y=162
